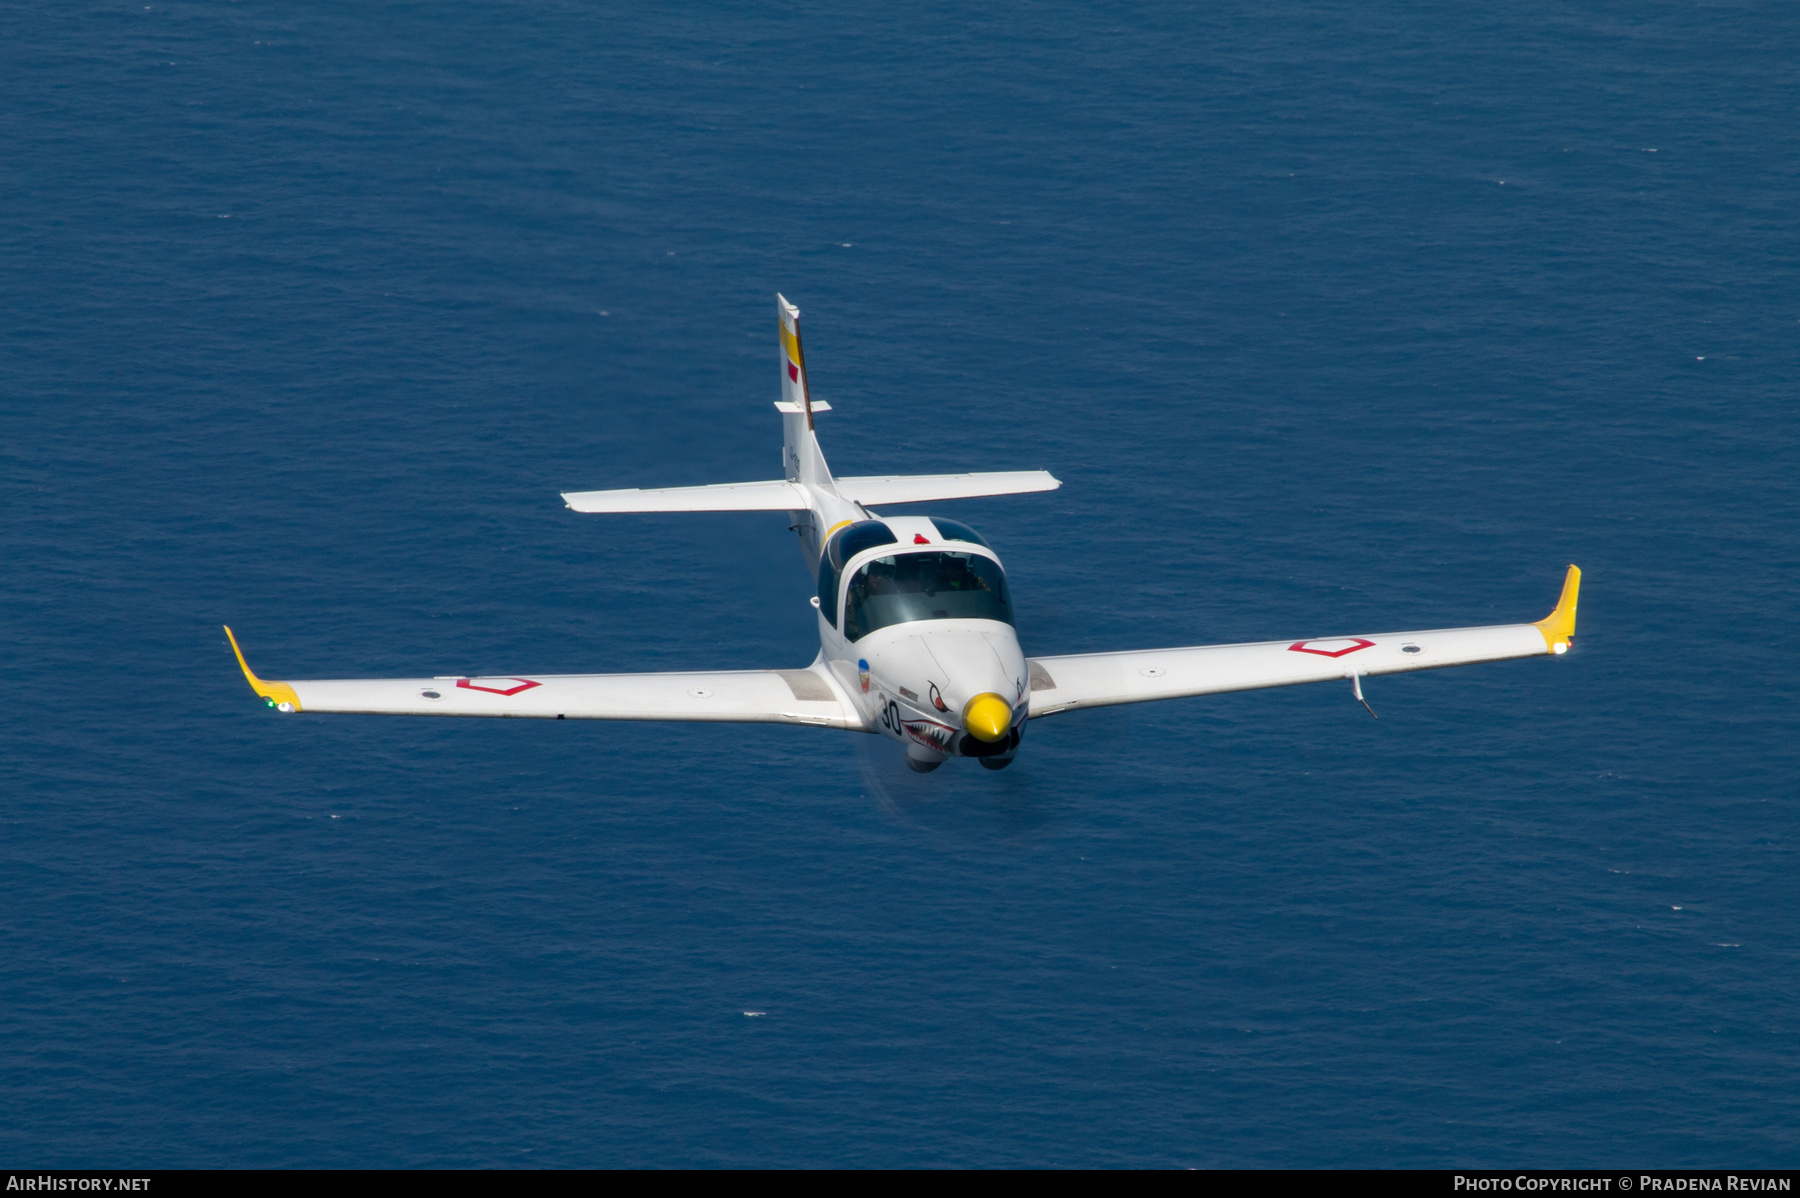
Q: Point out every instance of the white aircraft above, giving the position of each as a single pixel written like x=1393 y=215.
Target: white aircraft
x=916 y=637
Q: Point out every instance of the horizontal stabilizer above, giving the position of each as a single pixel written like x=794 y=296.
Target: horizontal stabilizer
x=777 y=496
x=887 y=489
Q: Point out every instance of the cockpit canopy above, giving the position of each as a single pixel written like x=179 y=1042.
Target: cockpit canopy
x=924 y=586
x=910 y=584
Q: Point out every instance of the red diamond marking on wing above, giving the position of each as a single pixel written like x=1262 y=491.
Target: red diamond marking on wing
x=525 y=684
x=793 y=373
x=1351 y=644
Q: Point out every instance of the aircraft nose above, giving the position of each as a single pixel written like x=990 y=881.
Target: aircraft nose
x=987 y=717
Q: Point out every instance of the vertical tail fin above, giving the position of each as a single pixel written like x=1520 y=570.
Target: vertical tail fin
x=802 y=463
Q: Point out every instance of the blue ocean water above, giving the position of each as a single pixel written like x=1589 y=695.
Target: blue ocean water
x=1332 y=318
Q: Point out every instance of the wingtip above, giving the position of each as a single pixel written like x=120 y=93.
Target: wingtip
x=280 y=695
x=1558 y=627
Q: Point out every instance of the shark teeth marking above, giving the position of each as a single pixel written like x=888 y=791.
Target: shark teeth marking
x=930 y=734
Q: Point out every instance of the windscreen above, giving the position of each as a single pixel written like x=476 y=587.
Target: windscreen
x=925 y=586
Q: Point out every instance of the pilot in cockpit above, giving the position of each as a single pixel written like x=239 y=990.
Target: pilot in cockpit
x=916 y=573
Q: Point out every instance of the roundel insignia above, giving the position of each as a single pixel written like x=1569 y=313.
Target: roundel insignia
x=862 y=674
x=1336 y=646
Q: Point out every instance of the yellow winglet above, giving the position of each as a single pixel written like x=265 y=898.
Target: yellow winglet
x=1559 y=626
x=279 y=694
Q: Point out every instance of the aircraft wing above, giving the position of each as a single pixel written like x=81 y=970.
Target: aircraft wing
x=1102 y=679
x=806 y=696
